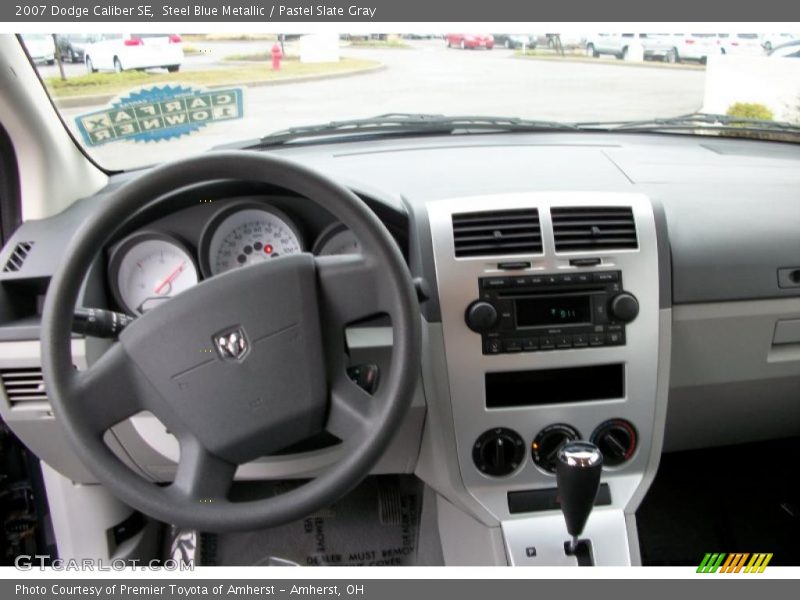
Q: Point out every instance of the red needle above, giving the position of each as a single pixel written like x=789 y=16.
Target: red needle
x=170 y=278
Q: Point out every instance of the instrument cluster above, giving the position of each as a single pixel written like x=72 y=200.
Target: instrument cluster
x=149 y=267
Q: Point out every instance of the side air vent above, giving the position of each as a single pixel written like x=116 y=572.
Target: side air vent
x=18 y=256
x=497 y=233
x=24 y=387
x=592 y=228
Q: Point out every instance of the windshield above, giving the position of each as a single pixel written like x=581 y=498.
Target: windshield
x=134 y=99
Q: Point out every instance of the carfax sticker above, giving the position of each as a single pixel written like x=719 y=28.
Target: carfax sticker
x=159 y=113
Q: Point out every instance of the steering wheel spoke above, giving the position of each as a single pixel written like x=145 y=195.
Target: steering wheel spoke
x=201 y=476
x=348 y=289
x=110 y=390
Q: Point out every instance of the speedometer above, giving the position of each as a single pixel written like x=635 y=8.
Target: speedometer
x=337 y=239
x=149 y=268
x=245 y=234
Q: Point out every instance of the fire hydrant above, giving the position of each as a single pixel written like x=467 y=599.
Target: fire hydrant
x=277 y=55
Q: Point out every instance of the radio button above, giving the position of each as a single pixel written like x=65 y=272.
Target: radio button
x=536 y=280
x=563 y=341
x=615 y=338
x=583 y=277
x=547 y=342
x=493 y=346
x=580 y=340
x=512 y=346
x=596 y=339
x=607 y=276
x=530 y=344
x=599 y=310
x=495 y=282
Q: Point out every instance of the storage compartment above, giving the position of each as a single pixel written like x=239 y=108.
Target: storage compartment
x=552 y=386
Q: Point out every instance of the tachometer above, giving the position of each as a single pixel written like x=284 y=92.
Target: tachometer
x=337 y=239
x=148 y=268
x=245 y=234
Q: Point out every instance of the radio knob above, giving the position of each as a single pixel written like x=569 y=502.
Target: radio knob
x=624 y=307
x=481 y=316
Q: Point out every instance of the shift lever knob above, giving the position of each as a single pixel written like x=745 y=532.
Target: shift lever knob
x=578 y=469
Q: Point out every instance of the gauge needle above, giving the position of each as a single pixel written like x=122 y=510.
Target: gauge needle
x=170 y=278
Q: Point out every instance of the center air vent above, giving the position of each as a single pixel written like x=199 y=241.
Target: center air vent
x=498 y=232
x=18 y=256
x=23 y=387
x=592 y=228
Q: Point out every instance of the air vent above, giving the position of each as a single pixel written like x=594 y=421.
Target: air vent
x=592 y=228
x=24 y=387
x=497 y=233
x=18 y=257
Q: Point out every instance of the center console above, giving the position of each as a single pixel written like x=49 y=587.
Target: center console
x=553 y=333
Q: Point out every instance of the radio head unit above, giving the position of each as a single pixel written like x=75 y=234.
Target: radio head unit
x=551 y=312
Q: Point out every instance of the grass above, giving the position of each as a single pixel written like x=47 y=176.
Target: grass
x=113 y=83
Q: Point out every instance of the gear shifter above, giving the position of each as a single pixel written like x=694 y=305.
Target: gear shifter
x=578 y=469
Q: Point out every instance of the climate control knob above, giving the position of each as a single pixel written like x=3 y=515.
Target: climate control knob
x=616 y=439
x=498 y=452
x=624 y=307
x=481 y=316
x=545 y=447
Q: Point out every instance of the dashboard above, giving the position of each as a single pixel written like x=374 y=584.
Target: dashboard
x=673 y=325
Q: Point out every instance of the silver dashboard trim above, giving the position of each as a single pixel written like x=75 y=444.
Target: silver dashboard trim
x=457 y=281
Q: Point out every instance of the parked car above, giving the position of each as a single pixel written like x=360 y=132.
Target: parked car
x=469 y=40
x=692 y=46
x=515 y=40
x=741 y=44
x=41 y=47
x=788 y=50
x=773 y=40
x=71 y=46
x=655 y=46
x=125 y=51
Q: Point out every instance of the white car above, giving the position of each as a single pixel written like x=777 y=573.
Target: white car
x=617 y=44
x=125 y=51
x=740 y=44
x=788 y=50
x=693 y=46
x=773 y=40
x=41 y=47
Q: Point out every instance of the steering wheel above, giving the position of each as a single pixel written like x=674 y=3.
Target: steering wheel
x=241 y=365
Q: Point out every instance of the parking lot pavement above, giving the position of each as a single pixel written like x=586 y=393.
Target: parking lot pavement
x=433 y=79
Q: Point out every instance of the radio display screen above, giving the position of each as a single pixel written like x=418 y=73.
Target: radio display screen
x=553 y=310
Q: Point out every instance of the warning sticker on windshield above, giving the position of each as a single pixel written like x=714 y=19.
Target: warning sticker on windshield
x=159 y=113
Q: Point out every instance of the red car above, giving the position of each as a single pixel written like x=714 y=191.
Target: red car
x=470 y=40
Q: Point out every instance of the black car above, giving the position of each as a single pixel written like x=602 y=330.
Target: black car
x=71 y=46
x=514 y=40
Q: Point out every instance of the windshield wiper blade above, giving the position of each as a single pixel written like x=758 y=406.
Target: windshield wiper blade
x=410 y=123
x=698 y=120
